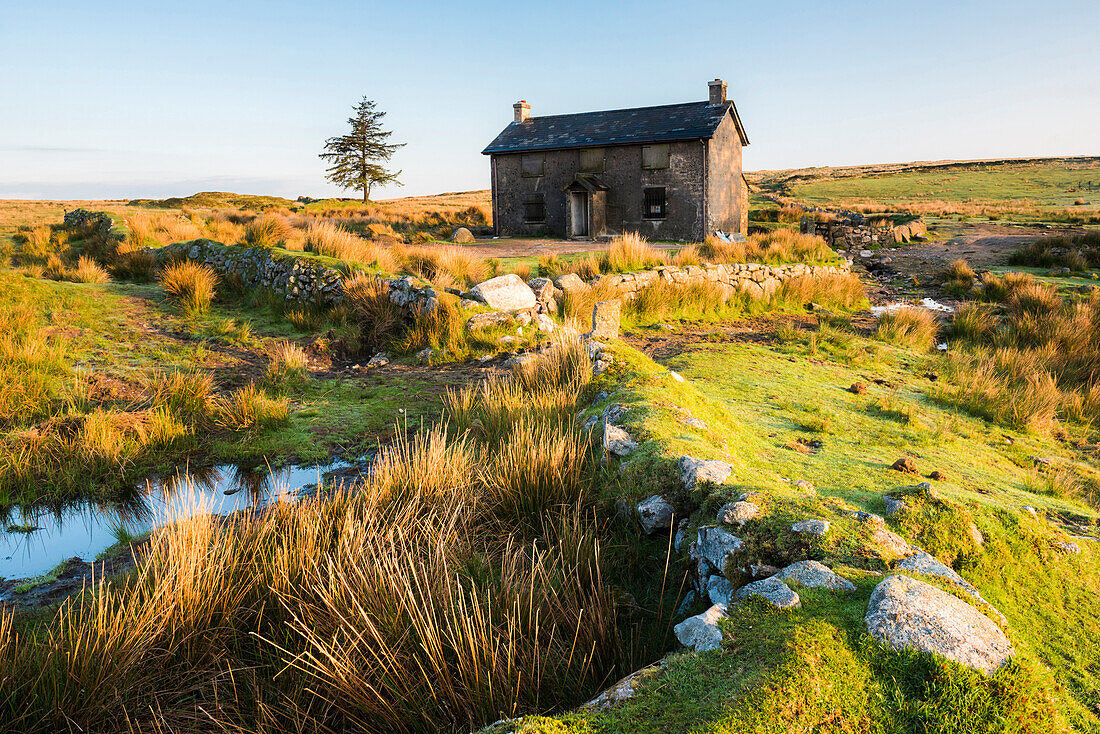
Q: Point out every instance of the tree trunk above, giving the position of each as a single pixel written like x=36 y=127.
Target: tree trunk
x=366 y=194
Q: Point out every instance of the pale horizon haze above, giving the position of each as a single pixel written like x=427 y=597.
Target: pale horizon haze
x=129 y=99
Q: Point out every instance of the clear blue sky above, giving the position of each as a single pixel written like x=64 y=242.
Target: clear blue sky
x=128 y=99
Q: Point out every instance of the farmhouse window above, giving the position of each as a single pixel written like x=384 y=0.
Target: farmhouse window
x=532 y=165
x=534 y=208
x=655 y=157
x=653 y=206
x=592 y=160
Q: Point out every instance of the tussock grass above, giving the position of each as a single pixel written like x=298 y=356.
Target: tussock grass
x=630 y=252
x=190 y=285
x=909 y=327
x=268 y=230
x=249 y=409
x=367 y=298
x=772 y=248
x=288 y=368
x=1076 y=252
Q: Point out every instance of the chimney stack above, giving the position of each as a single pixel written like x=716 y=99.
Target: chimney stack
x=522 y=109
x=717 y=92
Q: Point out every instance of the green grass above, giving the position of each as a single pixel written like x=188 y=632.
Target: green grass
x=815 y=668
x=1050 y=184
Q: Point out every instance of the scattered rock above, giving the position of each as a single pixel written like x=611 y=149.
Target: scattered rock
x=687 y=603
x=543 y=288
x=760 y=570
x=424 y=355
x=876 y=521
x=694 y=422
x=858 y=388
x=487 y=320
x=804 y=485
x=701 y=632
x=681 y=535
x=938 y=476
x=655 y=513
x=1030 y=510
x=570 y=282
x=544 y=323
x=773 y=591
x=814 y=575
x=738 y=513
x=716 y=546
x=624 y=689
x=975 y=534
x=893 y=545
x=468 y=303
x=378 y=360
x=811 y=527
x=605 y=320
x=720 y=590
x=905 y=613
x=676 y=376
x=1068 y=547
x=617 y=441
x=928 y=565
x=693 y=471
x=905 y=465
x=614 y=412
x=462 y=236
x=925 y=486
x=893 y=505
x=504 y=293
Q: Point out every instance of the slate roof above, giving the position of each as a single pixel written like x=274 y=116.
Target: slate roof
x=662 y=124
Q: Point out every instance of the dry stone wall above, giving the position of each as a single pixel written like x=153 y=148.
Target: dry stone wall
x=852 y=234
x=296 y=279
x=755 y=279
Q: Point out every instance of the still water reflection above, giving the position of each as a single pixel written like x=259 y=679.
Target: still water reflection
x=86 y=530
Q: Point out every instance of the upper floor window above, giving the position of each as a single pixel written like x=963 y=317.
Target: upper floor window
x=532 y=165
x=591 y=160
x=653 y=203
x=655 y=156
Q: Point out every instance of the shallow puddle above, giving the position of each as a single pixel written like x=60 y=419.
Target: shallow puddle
x=87 y=530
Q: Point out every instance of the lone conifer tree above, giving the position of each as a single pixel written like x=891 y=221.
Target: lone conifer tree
x=357 y=157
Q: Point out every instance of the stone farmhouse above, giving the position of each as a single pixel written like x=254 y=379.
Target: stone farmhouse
x=671 y=172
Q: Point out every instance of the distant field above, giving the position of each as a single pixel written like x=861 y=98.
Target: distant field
x=1064 y=189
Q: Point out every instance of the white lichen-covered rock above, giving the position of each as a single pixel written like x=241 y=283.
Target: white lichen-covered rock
x=701 y=632
x=462 y=236
x=893 y=505
x=379 y=360
x=804 y=485
x=717 y=546
x=771 y=590
x=720 y=590
x=927 y=565
x=693 y=471
x=905 y=613
x=543 y=288
x=617 y=441
x=625 y=689
x=488 y=320
x=814 y=575
x=504 y=293
x=811 y=527
x=544 y=323
x=1067 y=546
x=570 y=282
x=738 y=513
x=655 y=513
x=892 y=545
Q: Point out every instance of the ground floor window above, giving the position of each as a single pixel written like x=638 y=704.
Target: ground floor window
x=653 y=206
x=534 y=208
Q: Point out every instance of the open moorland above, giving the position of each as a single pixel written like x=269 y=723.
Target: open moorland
x=760 y=479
